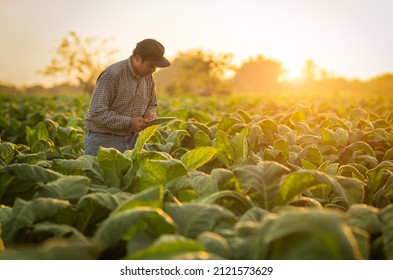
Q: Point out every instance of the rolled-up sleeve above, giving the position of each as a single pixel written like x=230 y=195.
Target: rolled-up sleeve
x=152 y=100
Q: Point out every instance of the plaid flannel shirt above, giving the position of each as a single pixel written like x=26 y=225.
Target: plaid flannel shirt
x=118 y=97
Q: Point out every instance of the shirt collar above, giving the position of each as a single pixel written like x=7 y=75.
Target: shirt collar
x=129 y=63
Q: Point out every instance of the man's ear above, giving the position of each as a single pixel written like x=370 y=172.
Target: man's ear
x=138 y=58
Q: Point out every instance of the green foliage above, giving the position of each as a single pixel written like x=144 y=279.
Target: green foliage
x=240 y=178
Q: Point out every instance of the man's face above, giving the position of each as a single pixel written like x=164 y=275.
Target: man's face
x=143 y=68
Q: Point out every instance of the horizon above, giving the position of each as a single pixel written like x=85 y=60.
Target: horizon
x=346 y=38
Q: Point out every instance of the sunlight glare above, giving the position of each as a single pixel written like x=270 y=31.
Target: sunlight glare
x=292 y=72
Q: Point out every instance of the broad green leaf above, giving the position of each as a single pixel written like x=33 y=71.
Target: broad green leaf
x=341 y=137
x=307 y=139
x=245 y=116
x=24 y=171
x=351 y=190
x=311 y=154
x=274 y=155
x=199 y=184
x=75 y=122
x=201 y=139
x=335 y=138
x=386 y=217
x=114 y=165
x=332 y=169
x=85 y=165
x=261 y=182
x=225 y=150
x=43 y=145
x=196 y=184
x=282 y=145
x=307 y=235
x=305 y=201
x=30 y=136
x=388 y=155
x=375 y=175
x=365 y=125
x=253 y=137
x=55 y=250
x=308 y=164
x=347 y=154
x=196 y=256
x=334 y=121
x=195 y=127
x=93 y=208
x=269 y=128
x=4 y=212
x=143 y=156
x=177 y=136
x=31 y=158
x=151 y=197
x=365 y=217
x=166 y=247
x=328 y=136
x=289 y=134
x=226 y=123
x=25 y=213
x=41 y=131
x=159 y=172
x=192 y=219
x=254 y=214
x=225 y=179
x=7 y=152
x=70 y=188
x=143 y=137
x=40 y=232
x=5 y=181
x=151 y=222
x=358 y=114
x=231 y=200
x=299 y=112
x=388 y=187
x=192 y=128
x=216 y=244
x=19 y=180
x=241 y=144
x=351 y=172
x=198 y=157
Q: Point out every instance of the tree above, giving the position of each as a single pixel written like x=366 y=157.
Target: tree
x=258 y=74
x=79 y=61
x=310 y=71
x=195 y=71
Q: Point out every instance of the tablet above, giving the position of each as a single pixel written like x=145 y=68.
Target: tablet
x=160 y=120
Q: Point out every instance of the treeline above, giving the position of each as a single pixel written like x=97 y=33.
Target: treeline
x=78 y=62
x=205 y=73
x=39 y=89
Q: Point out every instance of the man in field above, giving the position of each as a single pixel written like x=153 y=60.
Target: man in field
x=124 y=99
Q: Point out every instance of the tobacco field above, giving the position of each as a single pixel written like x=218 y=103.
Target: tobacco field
x=235 y=177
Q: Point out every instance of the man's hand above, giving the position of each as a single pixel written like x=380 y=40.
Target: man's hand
x=138 y=124
x=150 y=116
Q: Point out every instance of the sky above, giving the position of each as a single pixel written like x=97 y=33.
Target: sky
x=349 y=38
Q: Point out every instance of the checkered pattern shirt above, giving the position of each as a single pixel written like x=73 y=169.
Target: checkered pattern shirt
x=118 y=97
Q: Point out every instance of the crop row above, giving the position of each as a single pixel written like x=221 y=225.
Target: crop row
x=255 y=180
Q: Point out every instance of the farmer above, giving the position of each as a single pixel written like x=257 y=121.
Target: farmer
x=124 y=99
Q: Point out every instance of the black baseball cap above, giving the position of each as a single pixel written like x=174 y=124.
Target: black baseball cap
x=152 y=51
